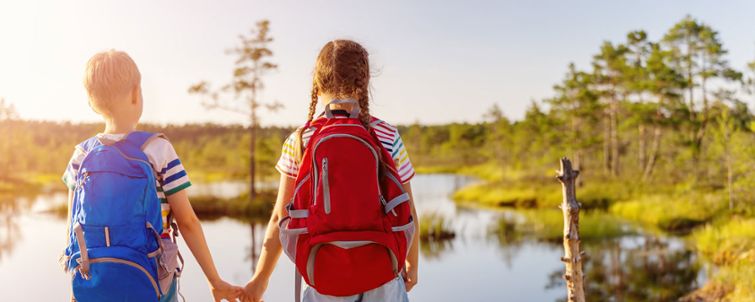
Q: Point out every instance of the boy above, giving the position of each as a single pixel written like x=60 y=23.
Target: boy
x=112 y=81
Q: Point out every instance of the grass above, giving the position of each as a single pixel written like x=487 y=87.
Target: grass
x=488 y=172
x=436 y=169
x=237 y=207
x=593 y=195
x=495 y=195
x=548 y=225
x=724 y=244
x=208 y=207
x=730 y=245
x=435 y=227
x=671 y=213
x=14 y=186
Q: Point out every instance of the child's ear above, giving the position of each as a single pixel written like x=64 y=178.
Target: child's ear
x=93 y=107
x=136 y=95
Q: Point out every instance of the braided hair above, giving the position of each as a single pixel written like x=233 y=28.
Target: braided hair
x=343 y=71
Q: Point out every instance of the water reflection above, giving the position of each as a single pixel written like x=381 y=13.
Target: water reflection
x=490 y=259
x=624 y=268
x=435 y=248
x=640 y=269
x=10 y=230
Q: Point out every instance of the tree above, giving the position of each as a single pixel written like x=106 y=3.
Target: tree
x=749 y=83
x=8 y=115
x=498 y=137
x=725 y=130
x=664 y=84
x=609 y=68
x=7 y=111
x=576 y=104
x=636 y=82
x=699 y=56
x=252 y=64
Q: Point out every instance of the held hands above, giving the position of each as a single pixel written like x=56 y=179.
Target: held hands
x=222 y=290
x=254 y=290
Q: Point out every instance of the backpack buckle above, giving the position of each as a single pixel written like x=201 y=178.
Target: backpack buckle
x=84 y=269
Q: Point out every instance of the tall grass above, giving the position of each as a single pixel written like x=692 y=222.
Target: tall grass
x=731 y=246
x=434 y=227
x=593 y=195
x=548 y=225
x=726 y=243
x=678 y=213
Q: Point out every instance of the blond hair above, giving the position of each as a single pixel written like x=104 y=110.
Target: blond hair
x=110 y=75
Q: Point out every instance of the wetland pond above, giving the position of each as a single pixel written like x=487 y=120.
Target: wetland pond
x=487 y=260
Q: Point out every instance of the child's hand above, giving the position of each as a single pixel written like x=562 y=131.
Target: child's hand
x=223 y=290
x=410 y=278
x=254 y=290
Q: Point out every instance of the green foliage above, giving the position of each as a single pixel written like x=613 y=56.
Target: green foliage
x=544 y=193
x=39 y=151
x=435 y=227
x=497 y=195
x=725 y=243
x=548 y=225
x=669 y=212
x=730 y=245
x=238 y=207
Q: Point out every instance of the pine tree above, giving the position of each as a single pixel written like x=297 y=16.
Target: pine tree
x=252 y=64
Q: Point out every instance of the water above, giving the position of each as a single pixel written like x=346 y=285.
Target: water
x=474 y=266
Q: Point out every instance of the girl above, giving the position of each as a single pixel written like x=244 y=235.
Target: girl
x=341 y=72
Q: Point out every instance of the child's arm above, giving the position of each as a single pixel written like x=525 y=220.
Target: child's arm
x=271 y=246
x=412 y=260
x=189 y=226
x=68 y=215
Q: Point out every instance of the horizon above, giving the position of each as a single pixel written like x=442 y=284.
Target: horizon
x=419 y=53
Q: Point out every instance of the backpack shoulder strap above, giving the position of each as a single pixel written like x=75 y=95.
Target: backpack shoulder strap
x=314 y=126
x=134 y=143
x=88 y=144
x=140 y=139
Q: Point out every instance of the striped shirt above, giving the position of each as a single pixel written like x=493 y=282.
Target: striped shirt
x=288 y=163
x=171 y=176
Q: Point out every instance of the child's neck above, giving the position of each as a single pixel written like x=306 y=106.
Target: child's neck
x=118 y=127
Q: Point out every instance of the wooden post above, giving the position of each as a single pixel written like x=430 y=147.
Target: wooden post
x=573 y=256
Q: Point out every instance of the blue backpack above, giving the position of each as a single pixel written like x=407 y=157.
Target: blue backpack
x=116 y=222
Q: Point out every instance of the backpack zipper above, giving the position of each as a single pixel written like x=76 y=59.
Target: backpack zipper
x=365 y=143
x=325 y=185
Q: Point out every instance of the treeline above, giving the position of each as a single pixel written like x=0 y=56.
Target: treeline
x=668 y=111
x=209 y=151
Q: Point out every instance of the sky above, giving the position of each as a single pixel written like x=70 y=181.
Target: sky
x=433 y=61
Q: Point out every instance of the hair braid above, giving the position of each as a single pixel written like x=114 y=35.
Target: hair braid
x=342 y=70
x=299 y=147
x=313 y=103
x=363 y=100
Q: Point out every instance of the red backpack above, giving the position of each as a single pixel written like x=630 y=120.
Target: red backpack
x=349 y=224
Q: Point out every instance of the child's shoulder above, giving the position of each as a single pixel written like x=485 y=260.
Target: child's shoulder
x=383 y=126
x=158 y=145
